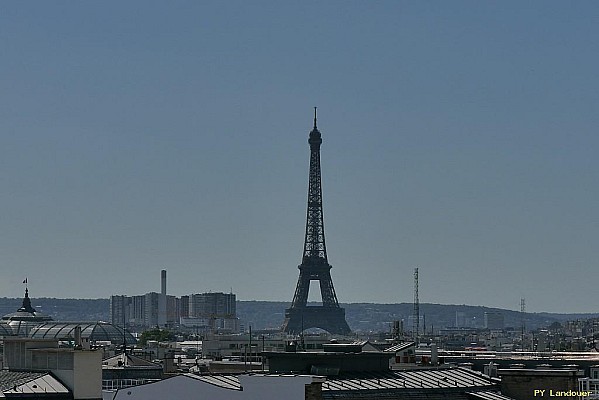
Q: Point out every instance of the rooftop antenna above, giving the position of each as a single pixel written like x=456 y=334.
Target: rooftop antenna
x=416 y=316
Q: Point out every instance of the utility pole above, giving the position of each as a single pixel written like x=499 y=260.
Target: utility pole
x=250 y=347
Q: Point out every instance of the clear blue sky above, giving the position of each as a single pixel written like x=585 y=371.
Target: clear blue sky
x=458 y=136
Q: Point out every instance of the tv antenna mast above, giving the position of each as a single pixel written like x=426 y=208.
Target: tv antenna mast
x=522 y=311
x=416 y=316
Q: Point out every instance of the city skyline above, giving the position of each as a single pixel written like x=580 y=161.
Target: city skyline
x=458 y=137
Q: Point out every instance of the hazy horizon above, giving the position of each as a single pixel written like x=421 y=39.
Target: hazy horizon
x=289 y=302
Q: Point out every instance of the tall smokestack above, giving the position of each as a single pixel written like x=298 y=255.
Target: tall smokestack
x=162 y=300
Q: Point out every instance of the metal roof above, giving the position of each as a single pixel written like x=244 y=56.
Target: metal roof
x=412 y=379
x=400 y=347
x=128 y=361
x=40 y=384
x=9 y=379
x=489 y=396
x=223 y=381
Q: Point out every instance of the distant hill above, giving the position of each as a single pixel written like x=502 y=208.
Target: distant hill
x=361 y=317
x=63 y=309
x=366 y=317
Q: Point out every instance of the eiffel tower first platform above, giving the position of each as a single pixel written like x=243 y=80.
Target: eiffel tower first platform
x=315 y=266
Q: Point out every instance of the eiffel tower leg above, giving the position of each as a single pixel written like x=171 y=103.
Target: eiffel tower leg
x=331 y=319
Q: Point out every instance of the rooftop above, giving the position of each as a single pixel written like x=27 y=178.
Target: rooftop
x=32 y=384
x=94 y=331
x=400 y=347
x=26 y=312
x=441 y=378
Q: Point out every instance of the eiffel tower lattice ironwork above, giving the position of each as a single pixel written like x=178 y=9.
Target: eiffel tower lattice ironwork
x=315 y=266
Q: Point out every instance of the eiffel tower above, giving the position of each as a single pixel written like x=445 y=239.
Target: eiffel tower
x=315 y=266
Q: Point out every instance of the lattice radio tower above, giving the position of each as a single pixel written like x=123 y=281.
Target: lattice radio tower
x=416 y=316
x=522 y=311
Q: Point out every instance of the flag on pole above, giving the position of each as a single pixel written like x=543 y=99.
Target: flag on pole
x=25 y=281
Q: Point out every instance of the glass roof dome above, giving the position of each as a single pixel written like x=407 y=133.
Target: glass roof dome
x=94 y=331
x=25 y=318
x=5 y=329
x=27 y=321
